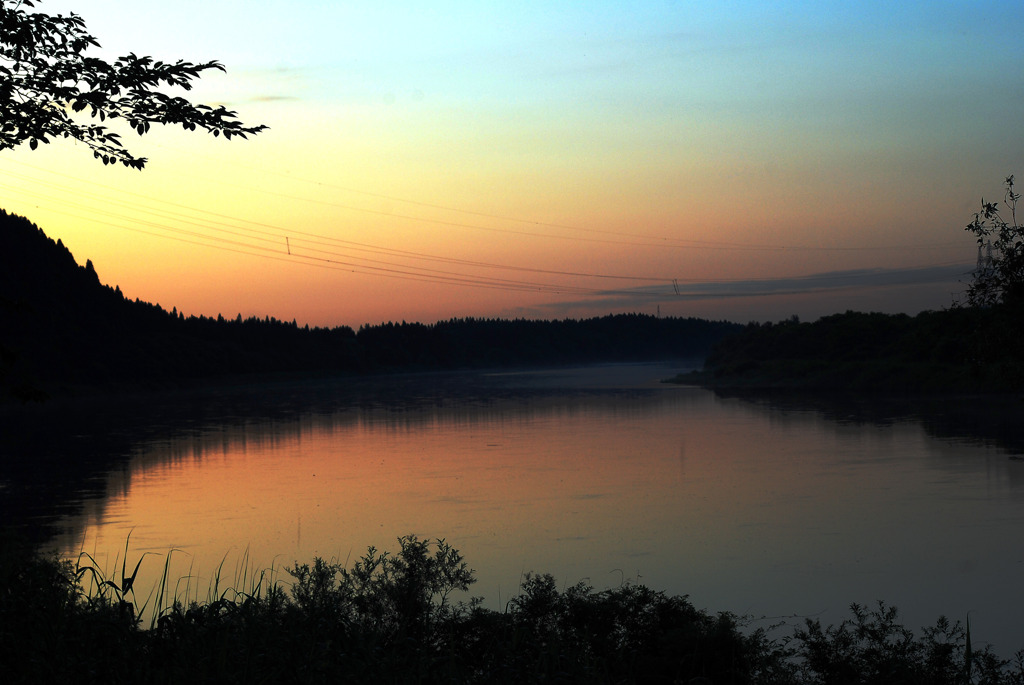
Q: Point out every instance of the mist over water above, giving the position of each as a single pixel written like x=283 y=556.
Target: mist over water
x=605 y=475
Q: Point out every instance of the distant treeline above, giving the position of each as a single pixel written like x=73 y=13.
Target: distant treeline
x=963 y=349
x=62 y=329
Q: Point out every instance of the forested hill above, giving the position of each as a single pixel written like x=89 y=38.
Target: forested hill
x=961 y=349
x=62 y=330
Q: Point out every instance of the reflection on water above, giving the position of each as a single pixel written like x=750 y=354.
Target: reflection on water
x=760 y=507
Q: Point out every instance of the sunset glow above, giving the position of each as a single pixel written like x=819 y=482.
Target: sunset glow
x=738 y=160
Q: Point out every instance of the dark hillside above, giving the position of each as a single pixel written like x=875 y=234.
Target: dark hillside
x=62 y=330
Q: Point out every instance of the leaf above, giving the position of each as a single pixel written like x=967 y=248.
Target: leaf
x=127 y=584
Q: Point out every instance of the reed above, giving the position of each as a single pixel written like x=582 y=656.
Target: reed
x=122 y=592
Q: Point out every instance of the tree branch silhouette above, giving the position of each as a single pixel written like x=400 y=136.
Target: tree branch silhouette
x=46 y=79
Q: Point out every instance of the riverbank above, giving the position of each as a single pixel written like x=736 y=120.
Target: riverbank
x=960 y=350
x=396 y=618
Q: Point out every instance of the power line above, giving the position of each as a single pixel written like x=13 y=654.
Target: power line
x=388 y=268
x=274 y=238
x=664 y=242
x=690 y=243
x=244 y=236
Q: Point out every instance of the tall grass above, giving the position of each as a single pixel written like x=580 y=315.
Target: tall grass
x=121 y=589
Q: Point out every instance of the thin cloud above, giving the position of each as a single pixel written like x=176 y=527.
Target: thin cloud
x=813 y=284
x=274 y=98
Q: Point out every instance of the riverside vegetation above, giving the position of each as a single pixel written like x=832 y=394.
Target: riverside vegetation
x=973 y=348
x=961 y=349
x=394 y=618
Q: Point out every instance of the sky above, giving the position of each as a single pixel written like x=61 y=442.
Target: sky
x=424 y=161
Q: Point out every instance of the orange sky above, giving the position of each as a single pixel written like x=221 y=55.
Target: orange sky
x=530 y=160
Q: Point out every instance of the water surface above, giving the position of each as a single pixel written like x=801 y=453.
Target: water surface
x=603 y=474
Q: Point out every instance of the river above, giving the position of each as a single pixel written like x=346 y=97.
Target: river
x=776 y=508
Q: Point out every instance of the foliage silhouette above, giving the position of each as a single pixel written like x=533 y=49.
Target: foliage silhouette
x=999 y=278
x=46 y=78
x=962 y=349
x=338 y=624
x=400 y=596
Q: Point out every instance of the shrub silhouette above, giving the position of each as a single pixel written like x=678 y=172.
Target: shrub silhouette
x=407 y=594
x=392 y=618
